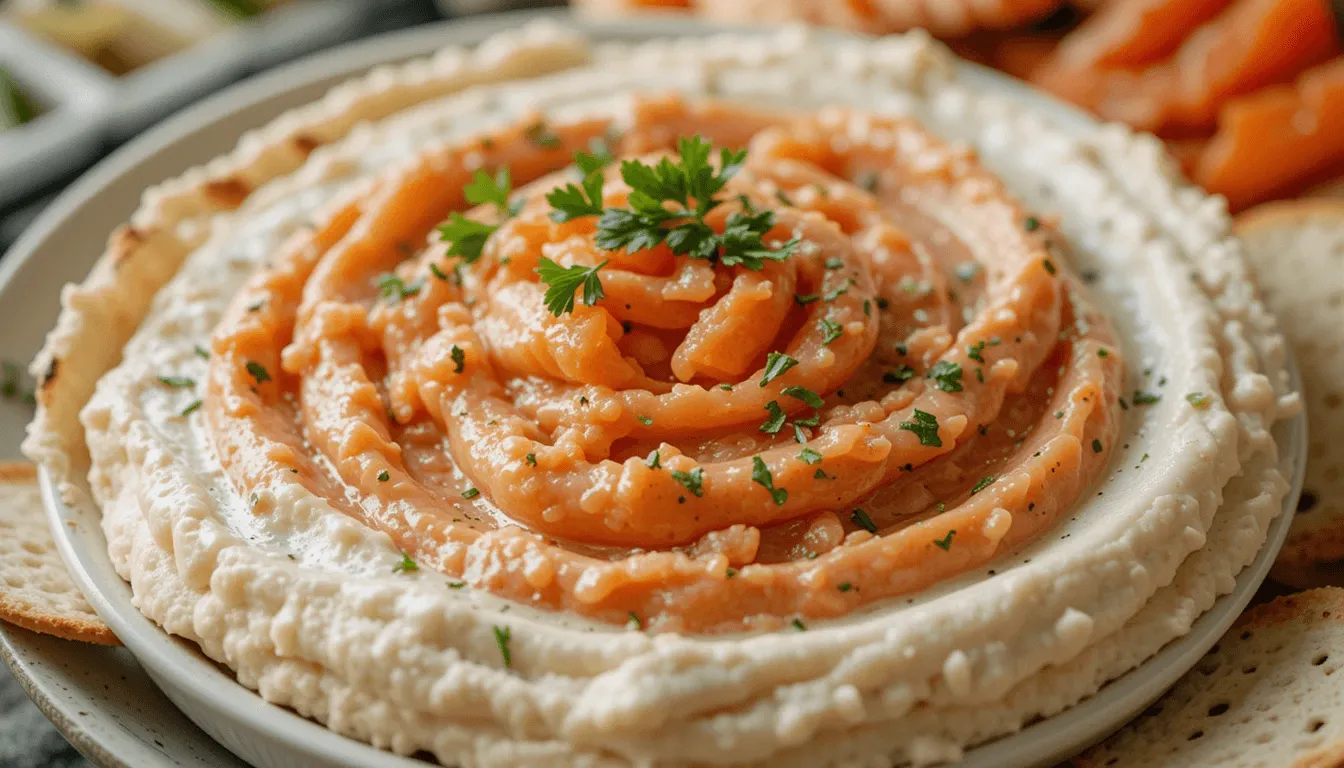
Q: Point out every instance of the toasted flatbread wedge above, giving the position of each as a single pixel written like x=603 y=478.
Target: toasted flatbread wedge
x=1297 y=251
x=1268 y=695
x=36 y=592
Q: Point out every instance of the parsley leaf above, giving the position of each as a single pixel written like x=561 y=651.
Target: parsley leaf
x=760 y=473
x=467 y=236
x=406 y=565
x=982 y=484
x=831 y=330
x=258 y=372
x=692 y=480
x=503 y=635
x=904 y=373
x=459 y=358
x=562 y=283
x=775 y=422
x=925 y=427
x=574 y=202
x=1199 y=400
x=861 y=519
x=655 y=460
x=804 y=394
x=484 y=189
x=945 y=543
x=776 y=363
x=809 y=456
x=946 y=376
x=541 y=135
x=177 y=382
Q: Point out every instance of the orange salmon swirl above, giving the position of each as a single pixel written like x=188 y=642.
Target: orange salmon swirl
x=880 y=373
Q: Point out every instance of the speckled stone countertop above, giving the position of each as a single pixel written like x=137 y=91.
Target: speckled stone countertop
x=27 y=739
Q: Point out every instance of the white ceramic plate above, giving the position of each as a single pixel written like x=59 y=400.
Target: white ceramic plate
x=67 y=239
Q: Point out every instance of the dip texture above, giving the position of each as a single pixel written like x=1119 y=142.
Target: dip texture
x=932 y=417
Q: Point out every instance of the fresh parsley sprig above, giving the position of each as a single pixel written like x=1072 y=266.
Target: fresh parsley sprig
x=563 y=282
x=468 y=236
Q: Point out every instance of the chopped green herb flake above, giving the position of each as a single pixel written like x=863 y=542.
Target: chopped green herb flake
x=191 y=407
x=1145 y=398
x=1096 y=446
x=904 y=373
x=177 y=382
x=503 y=636
x=809 y=456
x=383 y=476
x=654 y=460
x=775 y=421
x=459 y=358
x=830 y=330
x=201 y=352
x=973 y=351
x=258 y=372
x=1031 y=223
x=925 y=427
x=844 y=586
x=1199 y=400
x=776 y=363
x=531 y=459
x=760 y=473
x=693 y=480
x=634 y=620
x=803 y=393
x=982 y=484
x=861 y=519
x=946 y=376
x=406 y=565
x=1049 y=266
x=470 y=493
x=945 y=543
x=799 y=625
x=541 y=135
x=467 y=237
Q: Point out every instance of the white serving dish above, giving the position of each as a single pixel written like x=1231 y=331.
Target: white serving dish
x=68 y=237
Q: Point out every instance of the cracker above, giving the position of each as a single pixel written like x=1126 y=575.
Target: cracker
x=36 y=592
x=1296 y=249
x=1266 y=695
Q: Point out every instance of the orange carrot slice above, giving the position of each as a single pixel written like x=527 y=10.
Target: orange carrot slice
x=1252 y=44
x=1276 y=139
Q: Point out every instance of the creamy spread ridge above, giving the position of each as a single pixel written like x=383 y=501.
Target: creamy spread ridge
x=292 y=509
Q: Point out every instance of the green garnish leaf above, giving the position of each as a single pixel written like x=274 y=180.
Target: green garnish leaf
x=470 y=493
x=693 y=480
x=775 y=422
x=177 y=382
x=531 y=459
x=201 y=352
x=634 y=619
x=945 y=543
x=467 y=236
x=383 y=476
x=1096 y=446
x=809 y=456
x=776 y=363
x=974 y=350
x=574 y=201
x=804 y=394
x=654 y=461
x=541 y=135
x=503 y=636
x=946 y=376
x=904 y=373
x=861 y=519
x=1199 y=400
x=191 y=408
x=925 y=427
x=406 y=565
x=982 y=484
x=760 y=473
x=258 y=372
x=484 y=189
x=830 y=329
x=1145 y=398
x=459 y=357
x=563 y=282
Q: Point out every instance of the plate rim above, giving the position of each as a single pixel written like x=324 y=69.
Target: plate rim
x=167 y=659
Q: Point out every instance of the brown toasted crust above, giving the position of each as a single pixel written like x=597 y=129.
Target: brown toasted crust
x=35 y=591
x=1293 y=247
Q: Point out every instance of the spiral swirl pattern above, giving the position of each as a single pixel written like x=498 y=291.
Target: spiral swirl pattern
x=920 y=386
